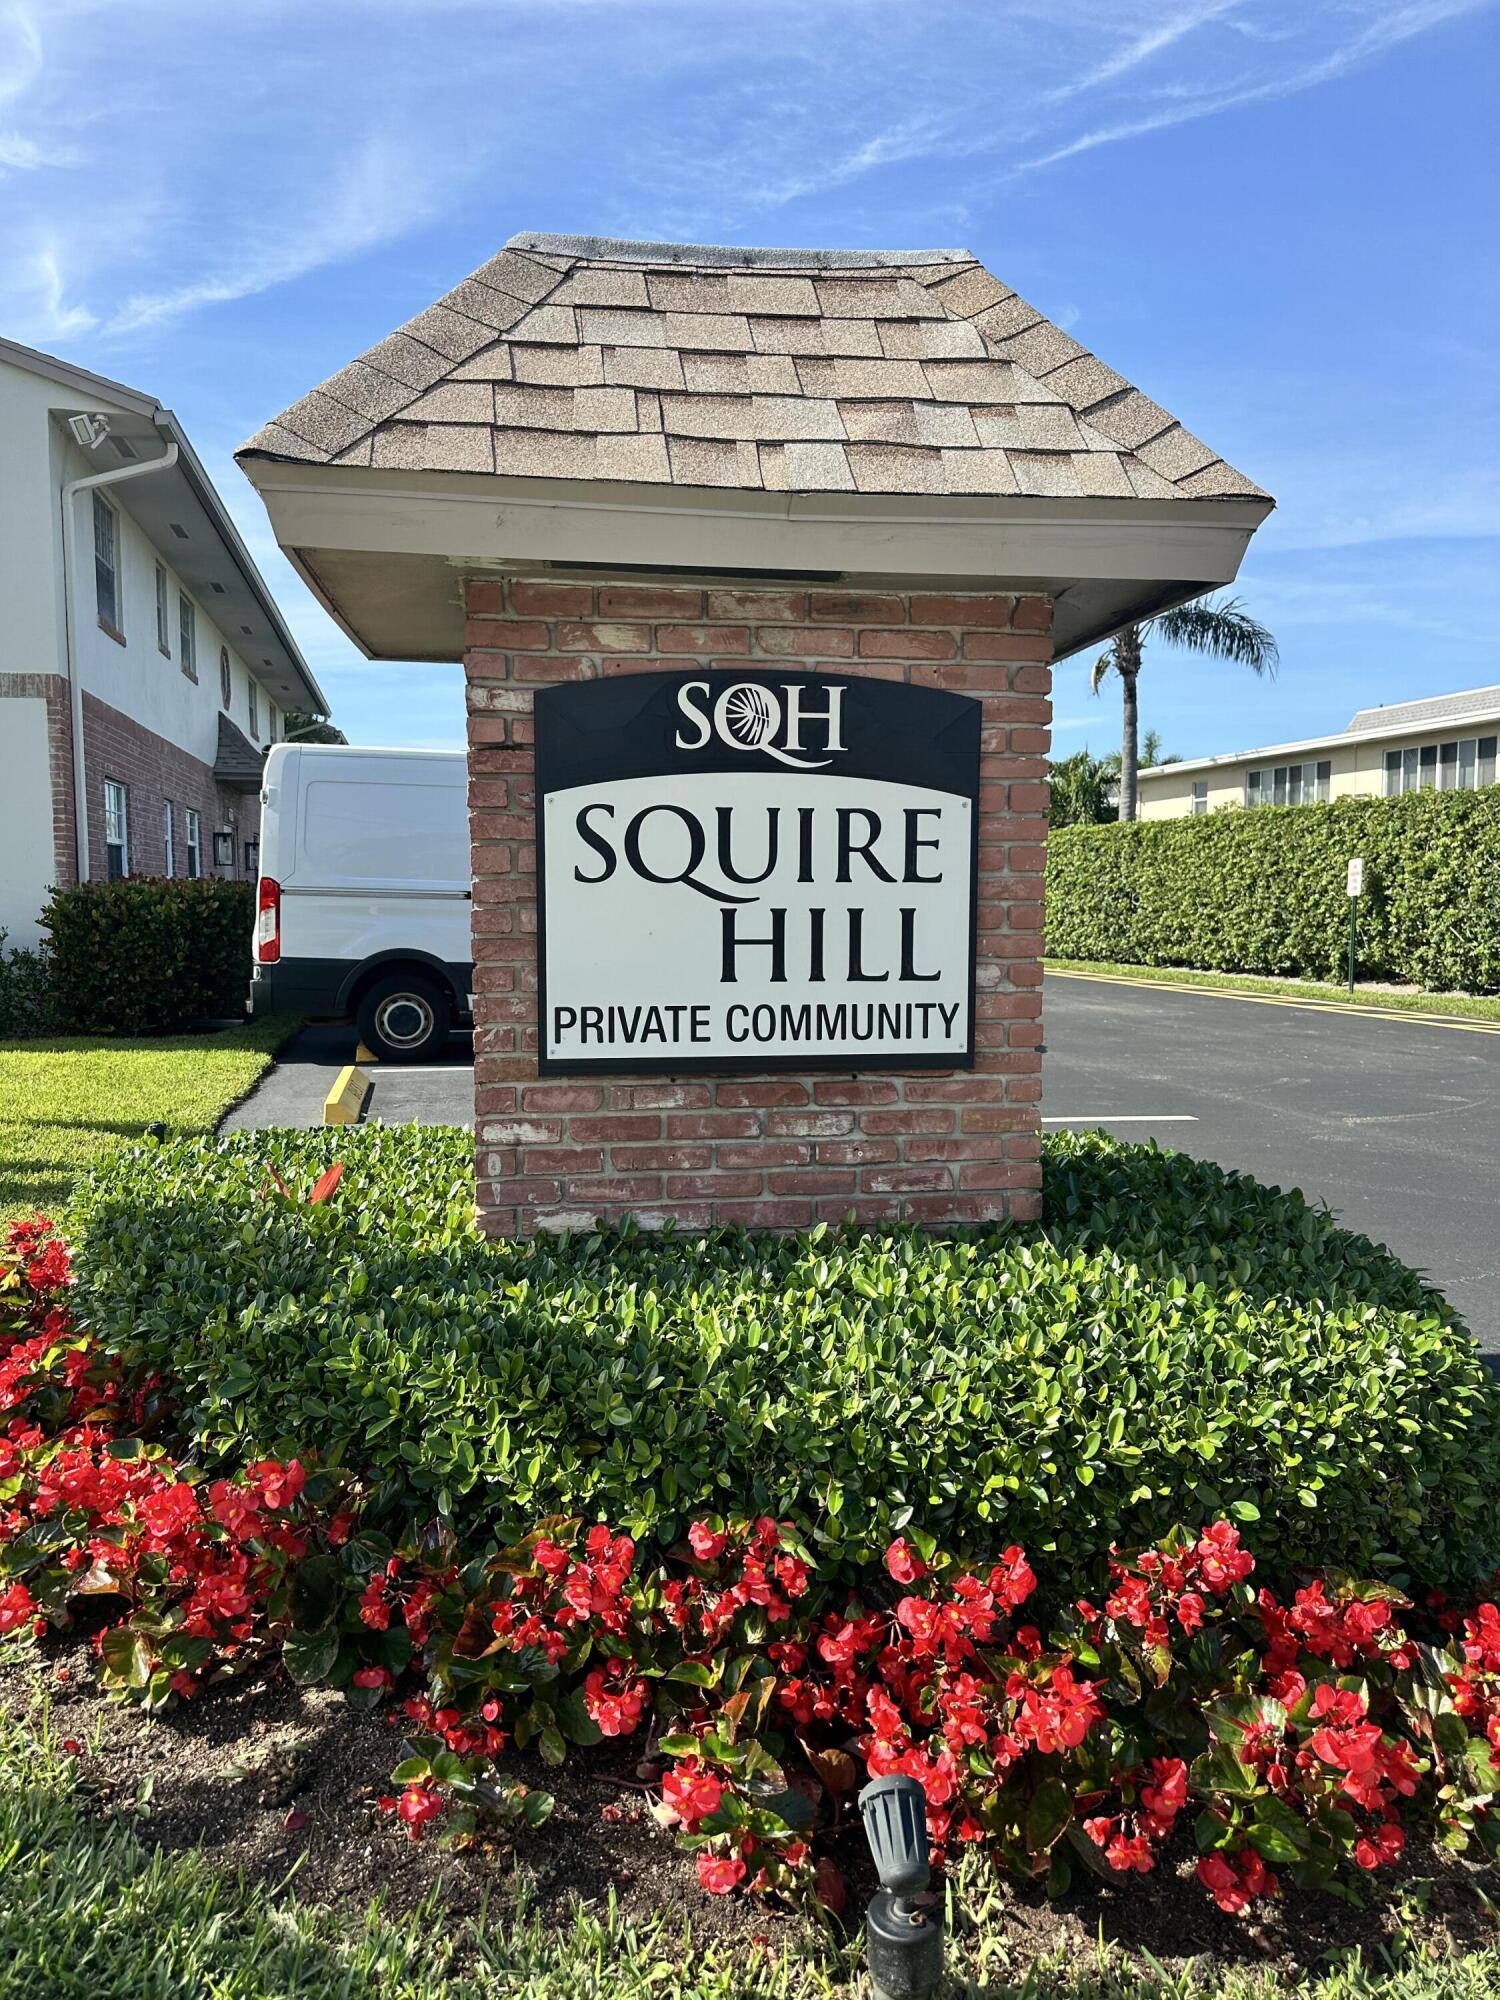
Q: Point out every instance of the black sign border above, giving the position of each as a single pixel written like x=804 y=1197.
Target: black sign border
x=671 y=1065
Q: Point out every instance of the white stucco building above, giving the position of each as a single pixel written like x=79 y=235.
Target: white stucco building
x=1444 y=743
x=144 y=666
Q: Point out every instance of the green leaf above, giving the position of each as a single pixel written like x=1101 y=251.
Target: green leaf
x=1219 y=1770
x=1049 y=1812
x=126 y=1656
x=309 y=1657
x=575 y=1721
x=1277 y=1832
x=693 y=1673
x=553 y=1748
x=316 y=1590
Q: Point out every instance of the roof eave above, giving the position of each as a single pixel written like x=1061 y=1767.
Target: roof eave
x=1124 y=559
x=92 y=388
x=211 y=501
x=1228 y=759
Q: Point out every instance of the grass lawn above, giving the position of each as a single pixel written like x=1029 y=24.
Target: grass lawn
x=64 y=1103
x=1452 y=1006
x=90 y=1910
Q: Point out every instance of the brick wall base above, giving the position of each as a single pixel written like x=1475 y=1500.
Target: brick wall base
x=779 y=1151
x=153 y=771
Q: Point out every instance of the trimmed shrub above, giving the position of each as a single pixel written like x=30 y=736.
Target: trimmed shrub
x=26 y=1004
x=1176 y=1343
x=1307 y=1733
x=146 y=957
x=1263 y=891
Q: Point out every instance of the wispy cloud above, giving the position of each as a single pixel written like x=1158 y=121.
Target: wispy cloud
x=1140 y=48
x=377 y=195
x=46 y=285
x=691 y=123
x=1386 y=29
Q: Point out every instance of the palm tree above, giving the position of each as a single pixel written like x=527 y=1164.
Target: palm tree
x=1082 y=789
x=1151 y=757
x=300 y=727
x=1224 y=630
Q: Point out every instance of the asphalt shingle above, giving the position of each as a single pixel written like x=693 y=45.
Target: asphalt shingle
x=798 y=371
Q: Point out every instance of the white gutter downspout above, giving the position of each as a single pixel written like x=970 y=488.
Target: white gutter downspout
x=70 y=492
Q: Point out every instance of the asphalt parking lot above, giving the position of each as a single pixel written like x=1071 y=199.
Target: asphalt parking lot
x=293 y=1089
x=1394 y=1124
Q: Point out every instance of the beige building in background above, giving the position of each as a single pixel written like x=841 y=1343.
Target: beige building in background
x=1446 y=743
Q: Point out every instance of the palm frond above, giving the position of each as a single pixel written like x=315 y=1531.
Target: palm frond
x=1102 y=666
x=1224 y=630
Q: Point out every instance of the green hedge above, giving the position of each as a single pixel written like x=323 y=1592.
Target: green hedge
x=1263 y=891
x=1176 y=1342
x=146 y=957
x=26 y=1003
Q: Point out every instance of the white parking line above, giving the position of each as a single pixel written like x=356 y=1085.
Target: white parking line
x=418 y=1069
x=1134 y=1118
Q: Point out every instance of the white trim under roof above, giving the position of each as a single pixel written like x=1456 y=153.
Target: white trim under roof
x=92 y=388
x=380 y=547
x=1435 y=725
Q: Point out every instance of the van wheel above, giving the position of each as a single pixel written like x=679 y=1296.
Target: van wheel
x=404 y=1018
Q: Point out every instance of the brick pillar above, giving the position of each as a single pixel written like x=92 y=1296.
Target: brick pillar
x=779 y=1151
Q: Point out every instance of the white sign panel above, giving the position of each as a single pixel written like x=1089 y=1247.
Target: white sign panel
x=773 y=871
x=1356 y=882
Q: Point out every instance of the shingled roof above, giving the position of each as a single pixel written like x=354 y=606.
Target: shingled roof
x=895 y=372
x=238 y=765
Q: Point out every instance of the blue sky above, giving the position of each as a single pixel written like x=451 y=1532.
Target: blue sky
x=1278 y=217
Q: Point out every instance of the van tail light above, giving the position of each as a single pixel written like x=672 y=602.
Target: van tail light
x=268 y=921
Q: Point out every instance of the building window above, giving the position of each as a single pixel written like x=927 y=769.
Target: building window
x=106 y=565
x=194 y=845
x=187 y=635
x=1289 y=784
x=254 y=709
x=252 y=859
x=116 y=830
x=168 y=843
x=163 y=622
x=1200 y=795
x=1461 y=766
x=226 y=679
x=270 y=722
x=224 y=847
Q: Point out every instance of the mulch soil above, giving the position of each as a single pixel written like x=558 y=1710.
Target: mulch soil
x=274 y=1781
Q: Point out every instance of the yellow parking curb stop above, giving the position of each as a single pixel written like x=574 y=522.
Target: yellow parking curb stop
x=362 y=1054
x=345 y=1103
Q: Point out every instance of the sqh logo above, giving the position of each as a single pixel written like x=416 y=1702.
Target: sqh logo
x=747 y=716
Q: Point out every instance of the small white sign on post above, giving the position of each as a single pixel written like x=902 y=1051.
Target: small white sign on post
x=1356 y=882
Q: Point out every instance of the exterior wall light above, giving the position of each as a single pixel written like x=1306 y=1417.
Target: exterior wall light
x=903 y=1939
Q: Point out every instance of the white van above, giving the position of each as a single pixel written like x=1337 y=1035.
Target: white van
x=364 y=896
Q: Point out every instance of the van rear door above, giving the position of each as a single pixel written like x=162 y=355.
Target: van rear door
x=373 y=847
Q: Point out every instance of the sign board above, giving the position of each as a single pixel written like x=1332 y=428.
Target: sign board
x=757 y=870
x=1356 y=883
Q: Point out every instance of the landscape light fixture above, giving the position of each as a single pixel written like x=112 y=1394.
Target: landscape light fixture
x=903 y=1939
